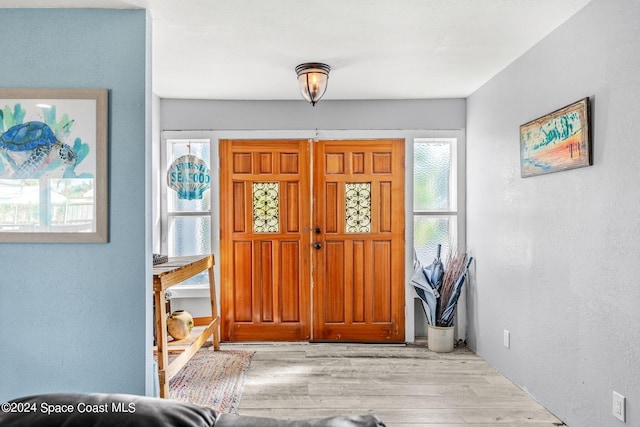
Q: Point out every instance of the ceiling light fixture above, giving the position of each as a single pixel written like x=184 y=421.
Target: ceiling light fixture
x=312 y=78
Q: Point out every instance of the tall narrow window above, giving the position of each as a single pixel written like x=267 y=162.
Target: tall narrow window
x=188 y=229
x=435 y=214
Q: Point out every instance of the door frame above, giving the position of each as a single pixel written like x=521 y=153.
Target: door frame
x=313 y=134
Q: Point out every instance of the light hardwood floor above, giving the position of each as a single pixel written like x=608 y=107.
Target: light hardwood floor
x=406 y=386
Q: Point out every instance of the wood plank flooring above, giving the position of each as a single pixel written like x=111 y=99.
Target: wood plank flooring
x=406 y=386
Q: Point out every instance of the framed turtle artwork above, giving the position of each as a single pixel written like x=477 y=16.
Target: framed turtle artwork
x=53 y=165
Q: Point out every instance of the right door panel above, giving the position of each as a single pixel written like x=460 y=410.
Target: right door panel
x=358 y=260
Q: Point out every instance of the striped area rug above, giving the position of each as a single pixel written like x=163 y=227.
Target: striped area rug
x=212 y=378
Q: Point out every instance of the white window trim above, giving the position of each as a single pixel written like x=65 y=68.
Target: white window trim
x=459 y=212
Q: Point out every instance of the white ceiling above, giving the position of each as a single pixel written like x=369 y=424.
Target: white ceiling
x=377 y=49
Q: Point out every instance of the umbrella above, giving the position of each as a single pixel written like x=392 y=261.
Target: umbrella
x=427 y=282
x=422 y=285
x=435 y=271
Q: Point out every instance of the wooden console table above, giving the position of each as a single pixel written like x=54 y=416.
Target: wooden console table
x=165 y=275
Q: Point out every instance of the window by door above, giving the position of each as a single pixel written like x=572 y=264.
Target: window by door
x=435 y=196
x=187 y=230
x=439 y=209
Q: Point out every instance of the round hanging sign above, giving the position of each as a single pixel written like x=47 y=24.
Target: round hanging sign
x=189 y=176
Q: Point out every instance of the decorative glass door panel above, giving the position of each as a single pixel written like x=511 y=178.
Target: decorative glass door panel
x=358 y=207
x=266 y=202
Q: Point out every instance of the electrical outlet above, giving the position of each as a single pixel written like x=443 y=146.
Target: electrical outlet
x=507 y=339
x=618 y=406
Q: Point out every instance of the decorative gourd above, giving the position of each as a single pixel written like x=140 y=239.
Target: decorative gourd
x=179 y=324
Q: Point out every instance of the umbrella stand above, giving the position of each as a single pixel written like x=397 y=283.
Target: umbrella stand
x=440 y=339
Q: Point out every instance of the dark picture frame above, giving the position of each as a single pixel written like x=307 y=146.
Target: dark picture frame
x=557 y=141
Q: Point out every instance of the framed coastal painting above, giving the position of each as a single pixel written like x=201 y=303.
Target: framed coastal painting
x=53 y=165
x=558 y=141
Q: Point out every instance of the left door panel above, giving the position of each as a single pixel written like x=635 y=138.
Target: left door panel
x=265 y=246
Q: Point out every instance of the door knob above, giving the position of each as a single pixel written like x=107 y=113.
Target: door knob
x=317 y=245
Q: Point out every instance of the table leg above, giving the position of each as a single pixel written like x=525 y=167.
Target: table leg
x=214 y=310
x=161 y=342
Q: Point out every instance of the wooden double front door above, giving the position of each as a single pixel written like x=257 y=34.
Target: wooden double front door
x=312 y=240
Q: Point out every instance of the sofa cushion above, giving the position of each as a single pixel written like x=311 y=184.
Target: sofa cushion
x=125 y=410
x=102 y=410
x=227 y=420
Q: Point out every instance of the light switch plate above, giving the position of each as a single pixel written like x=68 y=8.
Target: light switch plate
x=618 y=406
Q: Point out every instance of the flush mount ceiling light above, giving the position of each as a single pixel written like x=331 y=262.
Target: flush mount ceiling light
x=312 y=78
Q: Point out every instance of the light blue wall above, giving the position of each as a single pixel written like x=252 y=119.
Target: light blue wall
x=74 y=317
x=557 y=255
